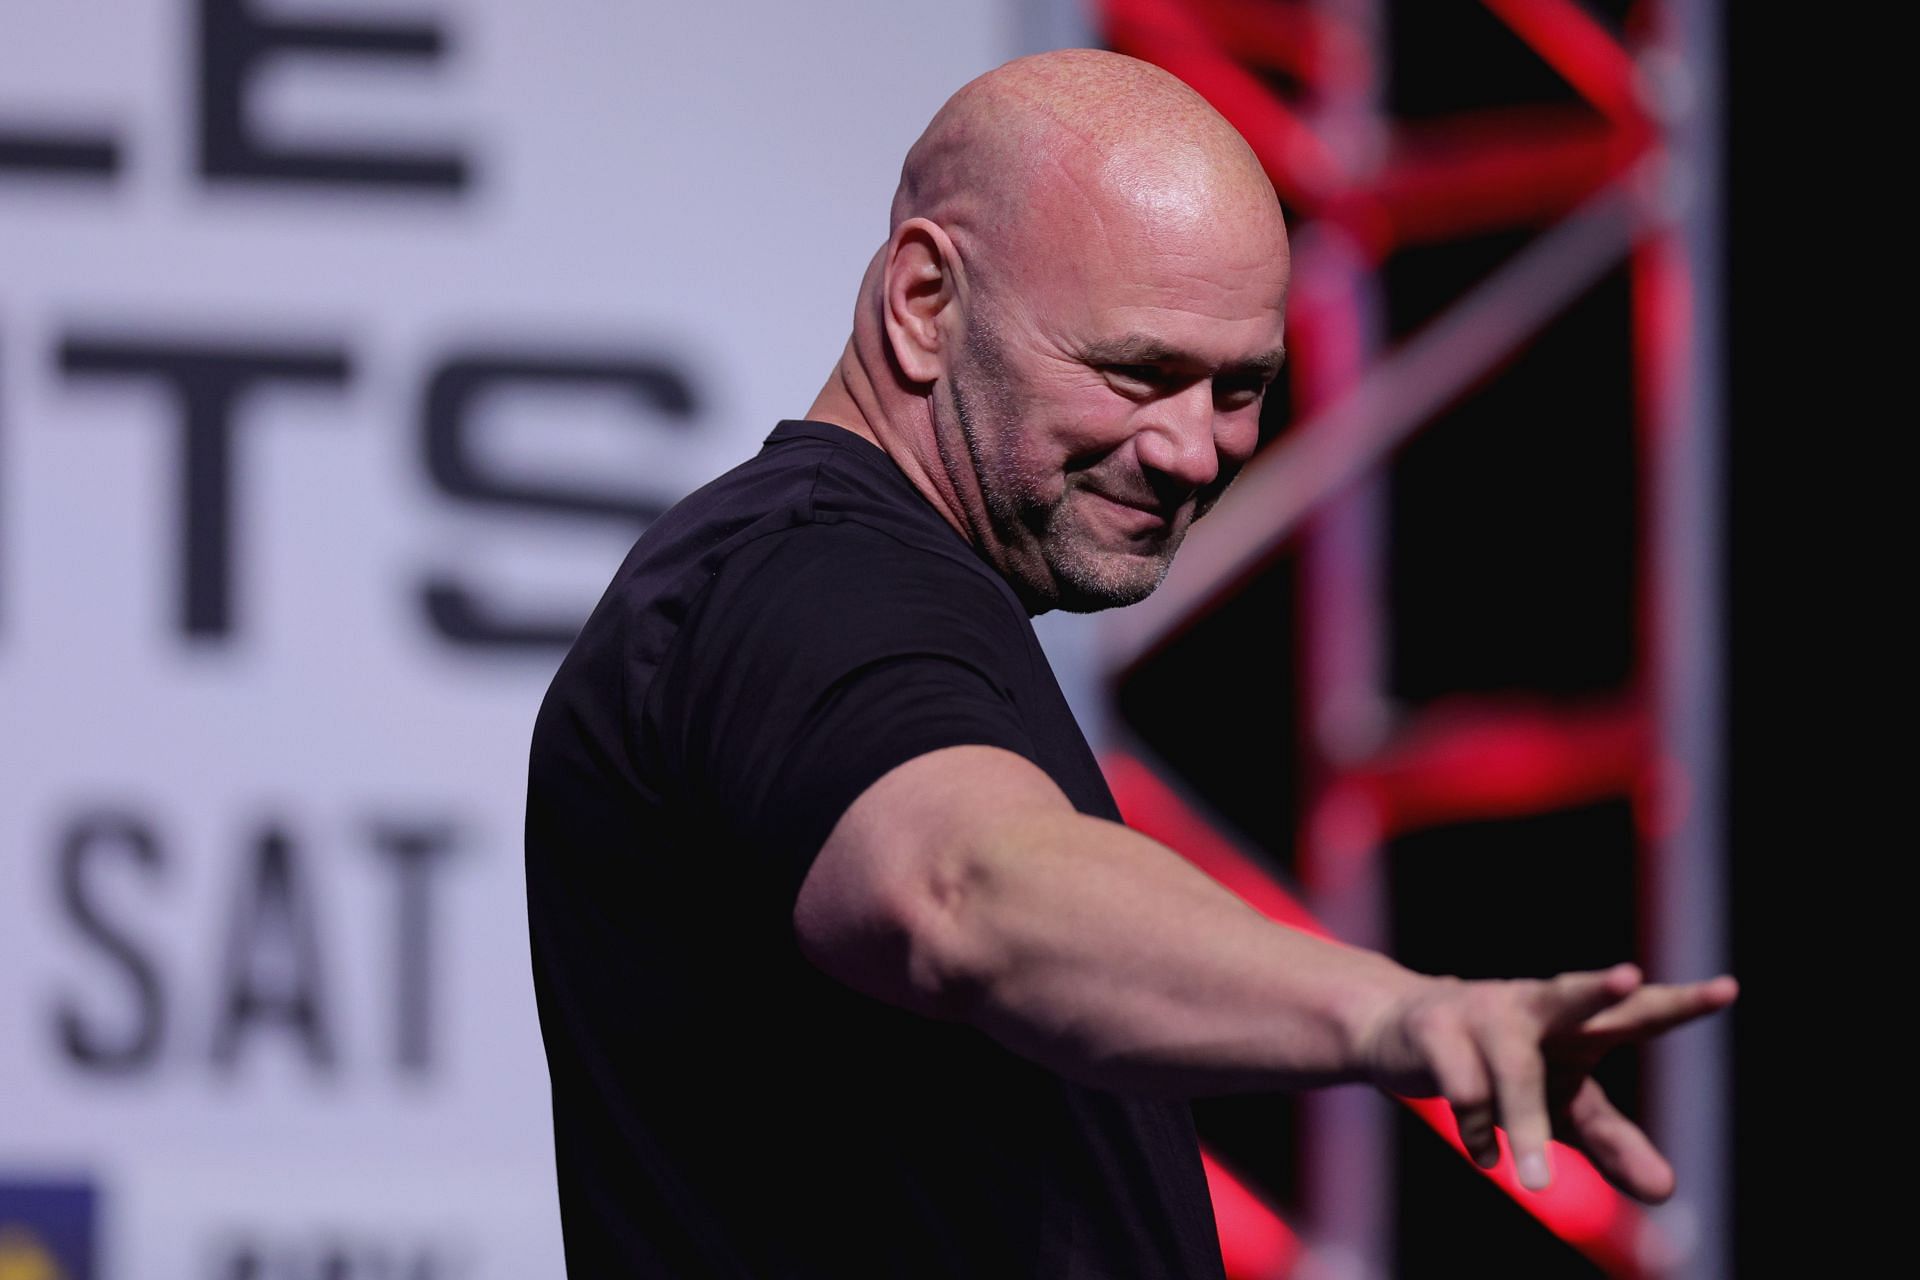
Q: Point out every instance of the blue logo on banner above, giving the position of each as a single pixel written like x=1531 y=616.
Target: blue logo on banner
x=46 y=1230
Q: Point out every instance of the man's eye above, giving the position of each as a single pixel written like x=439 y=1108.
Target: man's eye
x=1145 y=374
x=1240 y=393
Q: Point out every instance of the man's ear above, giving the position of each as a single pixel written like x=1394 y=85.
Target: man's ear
x=917 y=288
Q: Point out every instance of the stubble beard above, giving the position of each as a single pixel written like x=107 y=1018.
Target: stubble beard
x=1083 y=578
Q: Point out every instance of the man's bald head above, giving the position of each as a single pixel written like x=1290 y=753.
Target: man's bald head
x=1026 y=156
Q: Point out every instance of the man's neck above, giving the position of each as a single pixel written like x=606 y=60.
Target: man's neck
x=851 y=401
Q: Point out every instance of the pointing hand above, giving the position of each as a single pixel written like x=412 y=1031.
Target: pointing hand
x=1521 y=1053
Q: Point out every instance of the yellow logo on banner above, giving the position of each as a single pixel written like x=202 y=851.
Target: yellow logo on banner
x=23 y=1257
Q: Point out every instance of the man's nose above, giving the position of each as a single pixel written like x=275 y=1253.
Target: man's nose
x=1179 y=442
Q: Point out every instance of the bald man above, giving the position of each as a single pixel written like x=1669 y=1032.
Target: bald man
x=846 y=965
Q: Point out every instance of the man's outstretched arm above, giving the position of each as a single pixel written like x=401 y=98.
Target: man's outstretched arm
x=964 y=885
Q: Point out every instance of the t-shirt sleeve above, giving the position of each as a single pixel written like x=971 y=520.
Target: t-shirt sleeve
x=817 y=660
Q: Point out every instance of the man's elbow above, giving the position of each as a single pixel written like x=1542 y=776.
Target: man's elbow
x=905 y=935
x=905 y=900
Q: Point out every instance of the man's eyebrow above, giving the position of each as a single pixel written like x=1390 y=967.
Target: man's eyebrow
x=1141 y=349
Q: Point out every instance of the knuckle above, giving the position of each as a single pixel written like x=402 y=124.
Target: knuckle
x=1543 y=995
x=1495 y=1001
x=1430 y=1023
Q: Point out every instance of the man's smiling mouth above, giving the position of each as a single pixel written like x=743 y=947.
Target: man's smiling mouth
x=1155 y=513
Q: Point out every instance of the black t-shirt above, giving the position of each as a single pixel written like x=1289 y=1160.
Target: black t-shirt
x=772 y=646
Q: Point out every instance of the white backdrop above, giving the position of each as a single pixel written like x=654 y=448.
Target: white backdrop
x=265 y=1008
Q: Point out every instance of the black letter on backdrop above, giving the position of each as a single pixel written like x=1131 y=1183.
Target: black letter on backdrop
x=87 y=839
x=413 y=850
x=453 y=394
x=207 y=382
x=58 y=152
x=235 y=41
x=272 y=968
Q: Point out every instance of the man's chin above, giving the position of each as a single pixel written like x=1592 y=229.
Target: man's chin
x=1089 y=589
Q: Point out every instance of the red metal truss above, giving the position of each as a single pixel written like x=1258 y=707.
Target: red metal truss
x=1622 y=173
x=1575 y=44
x=1255 y=1243
x=1469 y=759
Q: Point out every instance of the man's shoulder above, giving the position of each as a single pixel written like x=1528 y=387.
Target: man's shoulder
x=843 y=570
x=819 y=501
x=819 y=523
x=808 y=477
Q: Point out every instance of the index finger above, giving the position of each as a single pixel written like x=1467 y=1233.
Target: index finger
x=1656 y=1009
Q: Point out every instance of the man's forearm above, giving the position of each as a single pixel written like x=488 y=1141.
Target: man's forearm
x=1109 y=958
